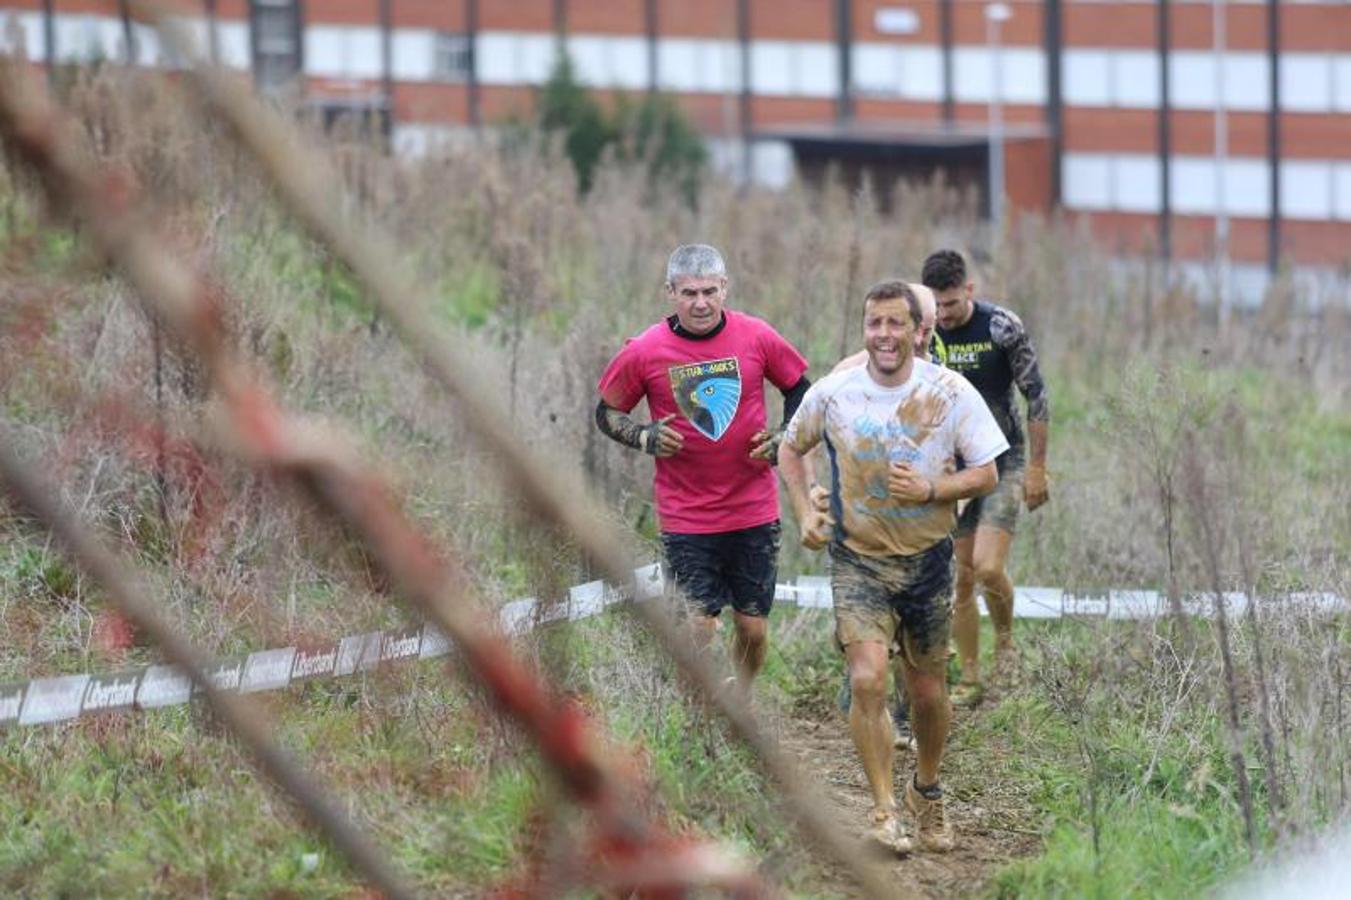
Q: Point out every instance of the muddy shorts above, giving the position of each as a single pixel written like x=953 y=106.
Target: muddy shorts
x=902 y=599
x=995 y=510
x=731 y=567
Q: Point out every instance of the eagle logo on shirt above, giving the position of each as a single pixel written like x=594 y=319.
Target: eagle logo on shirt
x=708 y=394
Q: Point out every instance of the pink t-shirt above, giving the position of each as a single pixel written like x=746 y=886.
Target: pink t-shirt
x=716 y=388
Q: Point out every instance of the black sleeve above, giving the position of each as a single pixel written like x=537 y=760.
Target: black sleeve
x=792 y=399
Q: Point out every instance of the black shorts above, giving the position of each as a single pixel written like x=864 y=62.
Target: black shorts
x=736 y=567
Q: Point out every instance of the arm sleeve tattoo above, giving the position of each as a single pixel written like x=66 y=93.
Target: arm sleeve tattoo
x=1007 y=331
x=620 y=427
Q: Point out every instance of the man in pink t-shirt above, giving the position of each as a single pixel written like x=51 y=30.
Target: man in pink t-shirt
x=702 y=371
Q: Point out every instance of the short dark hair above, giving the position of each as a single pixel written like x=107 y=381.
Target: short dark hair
x=943 y=270
x=891 y=289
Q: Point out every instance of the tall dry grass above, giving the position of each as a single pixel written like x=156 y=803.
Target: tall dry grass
x=1189 y=454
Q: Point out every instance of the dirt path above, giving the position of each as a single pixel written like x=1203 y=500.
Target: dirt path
x=994 y=824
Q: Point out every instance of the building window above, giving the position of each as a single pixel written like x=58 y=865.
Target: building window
x=452 y=57
x=276 y=36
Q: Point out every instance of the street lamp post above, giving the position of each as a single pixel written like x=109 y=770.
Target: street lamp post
x=1221 y=152
x=996 y=14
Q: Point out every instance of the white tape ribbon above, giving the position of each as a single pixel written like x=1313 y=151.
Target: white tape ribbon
x=45 y=700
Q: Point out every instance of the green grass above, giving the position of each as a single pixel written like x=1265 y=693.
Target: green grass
x=1107 y=831
x=163 y=804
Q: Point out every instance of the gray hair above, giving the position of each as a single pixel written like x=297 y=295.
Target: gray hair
x=694 y=261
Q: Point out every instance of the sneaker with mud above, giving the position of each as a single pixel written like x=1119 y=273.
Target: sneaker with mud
x=902 y=738
x=968 y=694
x=886 y=833
x=931 y=819
x=1007 y=666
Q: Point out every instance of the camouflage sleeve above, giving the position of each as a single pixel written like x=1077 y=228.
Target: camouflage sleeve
x=620 y=427
x=1008 y=333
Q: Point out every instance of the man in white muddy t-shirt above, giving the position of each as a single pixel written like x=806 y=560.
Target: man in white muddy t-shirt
x=892 y=431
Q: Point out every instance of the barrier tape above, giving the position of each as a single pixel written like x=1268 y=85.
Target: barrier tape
x=43 y=701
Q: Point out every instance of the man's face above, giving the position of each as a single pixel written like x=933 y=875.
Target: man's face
x=698 y=302
x=954 y=305
x=888 y=334
x=928 y=312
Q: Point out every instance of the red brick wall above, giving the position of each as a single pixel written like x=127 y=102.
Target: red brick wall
x=431 y=103
x=794 y=20
x=1024 y=28
x=102 y=7
x=1108 y=25
x=516 y=15
x=1305 y=243
x=868 y=108
x=343 y=12
x=777 y=110
x=1013 y=113
x=712 y=113
x=498 y=102
x=1315 y=135
x=1027 y=175
x=1245 y=27
x=1321 y=28
x=1194 y=236
x=444 y=15
x=1110 y=130
x=606 y=17
x=697 y=18
x=1303 y=135
x=1122 y=232
x=1317 y=243
x=1193 y=132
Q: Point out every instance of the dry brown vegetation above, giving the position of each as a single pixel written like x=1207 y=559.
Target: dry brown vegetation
x=1189 y=454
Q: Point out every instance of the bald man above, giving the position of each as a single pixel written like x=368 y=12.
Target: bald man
x=927 y=347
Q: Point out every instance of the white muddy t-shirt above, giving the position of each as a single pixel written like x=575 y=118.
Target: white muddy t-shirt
x=927 y=422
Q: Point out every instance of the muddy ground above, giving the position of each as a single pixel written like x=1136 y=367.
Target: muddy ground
x=995 y=823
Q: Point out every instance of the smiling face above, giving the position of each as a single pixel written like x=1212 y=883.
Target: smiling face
x=889 y=337
x=698 y=302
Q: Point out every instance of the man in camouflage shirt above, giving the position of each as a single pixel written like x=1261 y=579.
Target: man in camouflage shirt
x=988 y=344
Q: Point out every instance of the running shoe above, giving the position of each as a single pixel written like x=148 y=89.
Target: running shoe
x=1007 y=666
x=887 y=834
x=902 y=738
x=968 y=694
x=931 y=818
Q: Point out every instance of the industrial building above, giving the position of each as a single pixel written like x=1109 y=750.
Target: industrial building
x=1189 y=131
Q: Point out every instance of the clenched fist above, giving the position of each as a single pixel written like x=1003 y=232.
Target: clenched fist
x=908 y=486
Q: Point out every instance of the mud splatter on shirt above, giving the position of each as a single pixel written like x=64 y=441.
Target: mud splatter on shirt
x=926 y=423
